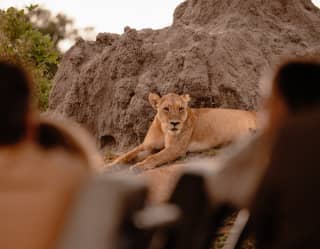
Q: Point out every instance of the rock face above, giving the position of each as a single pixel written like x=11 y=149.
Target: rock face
x=215 y=50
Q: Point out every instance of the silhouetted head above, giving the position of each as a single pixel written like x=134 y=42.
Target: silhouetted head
x=15 y=95
x=298 y=83
x=172 y=110
x=295 y=88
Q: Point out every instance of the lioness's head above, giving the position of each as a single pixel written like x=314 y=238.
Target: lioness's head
x=172 y=110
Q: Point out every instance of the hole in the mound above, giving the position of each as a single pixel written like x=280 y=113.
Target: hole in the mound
x=107 y=140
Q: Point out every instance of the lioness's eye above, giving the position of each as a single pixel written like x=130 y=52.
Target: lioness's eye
x=181 y=109
x=166 y=109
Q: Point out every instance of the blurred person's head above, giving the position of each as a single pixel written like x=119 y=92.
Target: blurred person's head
x=295 y=87
x=15 y=98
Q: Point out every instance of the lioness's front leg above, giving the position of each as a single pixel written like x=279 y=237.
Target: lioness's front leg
x=164 y=156
x=129 y=156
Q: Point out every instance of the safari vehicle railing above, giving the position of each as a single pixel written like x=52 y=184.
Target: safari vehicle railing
x=112 y=212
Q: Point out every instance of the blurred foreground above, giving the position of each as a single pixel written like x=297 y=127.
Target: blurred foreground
x=56 y=193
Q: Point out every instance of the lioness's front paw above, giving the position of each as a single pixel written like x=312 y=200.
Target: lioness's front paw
x=143 y=166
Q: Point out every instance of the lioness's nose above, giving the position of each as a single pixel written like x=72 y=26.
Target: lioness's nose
x=174 y=123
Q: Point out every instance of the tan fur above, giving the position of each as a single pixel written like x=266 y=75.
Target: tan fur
x=177 y=129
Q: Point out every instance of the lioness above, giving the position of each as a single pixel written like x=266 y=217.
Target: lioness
x=177 y=129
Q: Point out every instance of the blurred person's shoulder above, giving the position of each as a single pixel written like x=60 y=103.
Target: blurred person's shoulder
x=27 y=164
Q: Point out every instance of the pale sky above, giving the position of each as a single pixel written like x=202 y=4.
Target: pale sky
x=111 y=15
x=316 y=2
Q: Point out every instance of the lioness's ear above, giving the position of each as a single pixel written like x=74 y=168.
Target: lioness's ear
x=186 y=98
x=154 y=100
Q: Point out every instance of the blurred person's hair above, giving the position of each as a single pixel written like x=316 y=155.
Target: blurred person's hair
x=15 y=98
x=298 y=82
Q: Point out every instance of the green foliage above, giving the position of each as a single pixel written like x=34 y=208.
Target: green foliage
x=21 y=40
x=60 y=27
